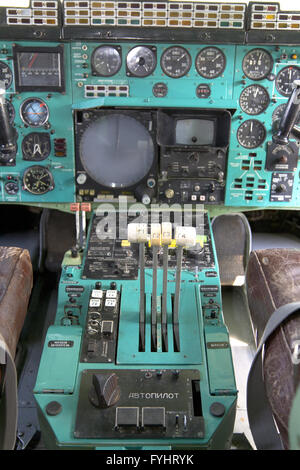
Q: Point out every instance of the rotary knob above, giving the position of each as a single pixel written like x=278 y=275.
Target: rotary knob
x=105 y=391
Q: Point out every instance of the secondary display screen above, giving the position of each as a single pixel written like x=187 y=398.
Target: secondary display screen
x=39 y=69
x=195 y=132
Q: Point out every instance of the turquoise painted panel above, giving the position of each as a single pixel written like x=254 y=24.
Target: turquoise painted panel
x=59 y=360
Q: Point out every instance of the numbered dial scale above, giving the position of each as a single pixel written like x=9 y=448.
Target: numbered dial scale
x=38 y=180
x=257 y=64
x=5 y=74
x=106 y=60
x=285 y=78
x=176 y=61
x=210 y=62
x=251 y=133
x=276 y=118
x=141 y=61
x=254 y=99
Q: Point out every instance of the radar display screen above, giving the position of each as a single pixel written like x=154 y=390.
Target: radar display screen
x=39 y=68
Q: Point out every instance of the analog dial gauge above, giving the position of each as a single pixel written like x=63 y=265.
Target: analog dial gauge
x=257 y=64
x=210 y=62
x=254 y=99
x=176 y=62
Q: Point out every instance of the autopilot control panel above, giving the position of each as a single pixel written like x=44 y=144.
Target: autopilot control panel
x=162 y=102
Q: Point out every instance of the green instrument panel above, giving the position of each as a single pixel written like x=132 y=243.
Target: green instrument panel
x=54 y=90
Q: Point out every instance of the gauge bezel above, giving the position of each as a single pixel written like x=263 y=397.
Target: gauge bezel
x=43 y=135
x=33 y=98
x=153 y=50
x=43 y=50
x=266 y=106
x=10 y=74
x=103 y=46
x=266 y=73
x=198 y=68
x=25 y=186
x=279 y=72
x=166 y=52
x=262 y=126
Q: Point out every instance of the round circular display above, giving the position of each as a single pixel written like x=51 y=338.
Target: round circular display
x=141 y=61
x=34 y=112
x=36 y=146
x=160 y=90
x=11 y=111
x=254 y=99
x=257 y=64
x=116 y=151
x=175 y=61
x=276 y=118
x=5 y=74
x=38 y=180
x=285 y=78
x=210 y=62
x=106 y=61
x=251 y=133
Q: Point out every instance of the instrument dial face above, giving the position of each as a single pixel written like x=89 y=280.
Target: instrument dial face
x=36 y=146
x=251 y=134
x=210 y=62
x=106 y=61
x=285 y=78
x=254 y=99
x=257 y=64
x=5 y=74
x=38 y=180
x=276 y=118
x=34 y=112
x=141 y=61
x=175 y=61
x=11 y=111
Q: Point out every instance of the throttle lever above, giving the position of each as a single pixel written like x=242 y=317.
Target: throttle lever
x=8 y=135
x=282 y=154
x=289 y=117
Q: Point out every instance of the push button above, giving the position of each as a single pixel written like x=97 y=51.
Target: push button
x=153 y=417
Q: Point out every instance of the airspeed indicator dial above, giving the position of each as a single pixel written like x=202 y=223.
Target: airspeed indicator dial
x=176 y=62
x=257 y=64
x=251 y=134
x=210 y=62
x=254 y=99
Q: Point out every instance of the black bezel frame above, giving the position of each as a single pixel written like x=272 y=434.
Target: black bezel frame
x=94 y=71
x=48 y=49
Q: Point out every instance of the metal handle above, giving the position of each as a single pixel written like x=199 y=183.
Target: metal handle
x=289 y=117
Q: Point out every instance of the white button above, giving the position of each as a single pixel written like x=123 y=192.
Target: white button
x=97 y=294
x=110 y=303
x=95 y=302
x=202 y=198
x=194 y=197
x=111 y=294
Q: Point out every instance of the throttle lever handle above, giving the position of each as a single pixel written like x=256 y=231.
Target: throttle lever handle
x=289 y=117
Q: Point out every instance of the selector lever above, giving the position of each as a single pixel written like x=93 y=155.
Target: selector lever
x=8 y=135
x=105 y=391
x=282 y=155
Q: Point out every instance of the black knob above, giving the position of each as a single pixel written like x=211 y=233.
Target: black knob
x=105 y=391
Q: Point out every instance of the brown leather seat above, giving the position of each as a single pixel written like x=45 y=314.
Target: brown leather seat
x=273 y=280
x=16 y=280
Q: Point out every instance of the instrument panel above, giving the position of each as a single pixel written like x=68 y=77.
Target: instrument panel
x=61 y=101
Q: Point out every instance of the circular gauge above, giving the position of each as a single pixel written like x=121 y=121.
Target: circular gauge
x=106 y=61
x=254 y=99
x=251 y=133
x=257 y=64
x=116 y=150
x=11 y=111
x=5 y=74
x=141 y=61
x=276 y=118
x=38 y=180
x=210 y=62
x=160 y=90
x=175 y=61
x=36 y=146
x=34 y=112
x=285 y=78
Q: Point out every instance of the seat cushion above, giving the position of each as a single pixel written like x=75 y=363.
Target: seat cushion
x=16 y=280
x=273 y=280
